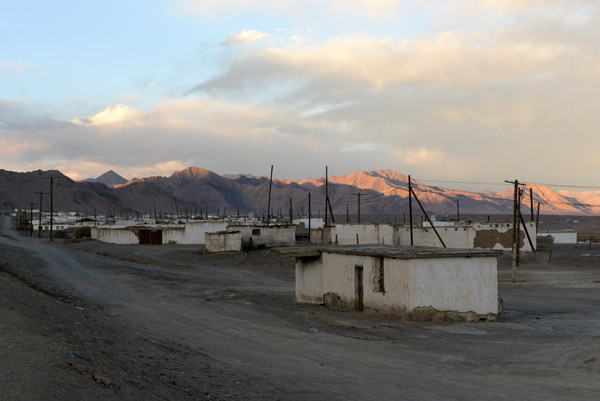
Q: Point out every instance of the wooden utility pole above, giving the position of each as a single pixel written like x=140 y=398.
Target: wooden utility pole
x=531 y=200
x=309 y=217
x=519 y=194
x=537 y=218
x=51 y=178
x=31 y=219
x=358 y=213
x=269 y=202
x=410 y=191
x=515 y=247
x=291 y=213
x=457 y=211
x=40 y=214
x=347 y=214
x=326 y=193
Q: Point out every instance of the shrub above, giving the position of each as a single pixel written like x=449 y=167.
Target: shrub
x=83 y=232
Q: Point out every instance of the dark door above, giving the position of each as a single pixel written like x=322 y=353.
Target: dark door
x=150 y=237
x=144 y=236
x=156 y=237
x=359 y=288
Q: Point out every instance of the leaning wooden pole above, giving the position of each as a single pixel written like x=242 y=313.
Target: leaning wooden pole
x=428 y=219
x=330 y=211
x=526 y=232
x=269 y=201
x=326 y=193
x=410 y=210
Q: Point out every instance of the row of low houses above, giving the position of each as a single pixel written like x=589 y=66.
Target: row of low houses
x=256 y=235
x=365 y=266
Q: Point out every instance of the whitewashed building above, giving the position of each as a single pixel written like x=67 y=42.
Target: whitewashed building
x=413 y=283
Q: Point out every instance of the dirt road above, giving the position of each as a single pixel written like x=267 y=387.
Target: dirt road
x=167 y=322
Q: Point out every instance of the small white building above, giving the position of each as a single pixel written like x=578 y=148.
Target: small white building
x=413 y=283
x=223 y=241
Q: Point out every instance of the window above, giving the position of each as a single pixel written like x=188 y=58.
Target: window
x=379 y=276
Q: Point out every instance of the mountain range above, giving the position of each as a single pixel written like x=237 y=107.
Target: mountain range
x=382 y=192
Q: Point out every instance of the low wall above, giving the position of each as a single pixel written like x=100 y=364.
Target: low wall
x=346 y=234
x=115 y=236
x=192 y=233
x=478 y=235
x=561 y=237
x=266 y=236
x=223 y=241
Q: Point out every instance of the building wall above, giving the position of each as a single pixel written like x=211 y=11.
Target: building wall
x=478 y=235
x=223 y=242
x=309 y=280
x=115 y=236
x=321 y=236
x=266 y=236
x=458 y=284
x=454 y=237
x=193 y=233
x=367 y=234
x=562 y=237
x=315 y=222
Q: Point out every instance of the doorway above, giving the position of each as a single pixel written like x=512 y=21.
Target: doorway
x=358 y=288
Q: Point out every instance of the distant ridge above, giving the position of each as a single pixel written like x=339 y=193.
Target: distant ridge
x=110 y=179
x=194 y=189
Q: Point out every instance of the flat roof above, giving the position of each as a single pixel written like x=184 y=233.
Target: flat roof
x=387 y=251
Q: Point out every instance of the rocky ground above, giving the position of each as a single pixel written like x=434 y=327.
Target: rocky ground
x=94 y=321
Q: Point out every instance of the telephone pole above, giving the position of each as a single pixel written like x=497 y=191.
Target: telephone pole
x=269 y=202
x=410 y=210
x=326 y=192
x=40 y=214
x=516 y=227
x=358 y=216
x=51 y=178
x=31 y=219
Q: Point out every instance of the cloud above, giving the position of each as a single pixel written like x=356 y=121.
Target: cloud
x=448 y=103
x=246 y=36
x=119 y=113
x=15 y=148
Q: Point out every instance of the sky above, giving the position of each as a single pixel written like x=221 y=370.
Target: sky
x=467 y=91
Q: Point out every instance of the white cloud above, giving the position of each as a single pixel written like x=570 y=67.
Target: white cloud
x=119 y=113
x=246 y=36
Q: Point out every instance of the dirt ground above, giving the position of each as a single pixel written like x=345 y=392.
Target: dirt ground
x=94 y=321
